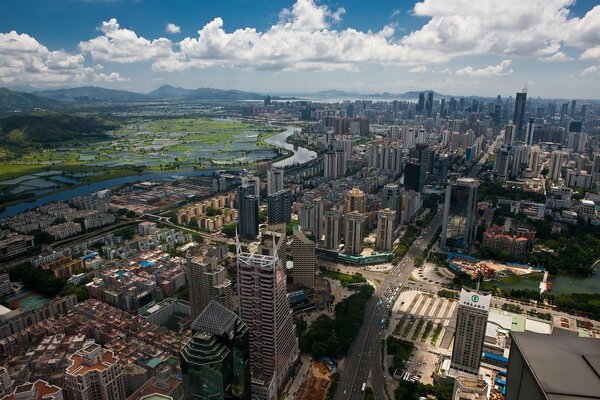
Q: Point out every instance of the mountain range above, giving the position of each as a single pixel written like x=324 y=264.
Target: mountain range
x=55 y=98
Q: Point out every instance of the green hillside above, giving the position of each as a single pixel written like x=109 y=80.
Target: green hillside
x=11 y=101
x=52 y=128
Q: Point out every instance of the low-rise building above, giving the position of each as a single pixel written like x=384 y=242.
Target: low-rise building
x=15 y=244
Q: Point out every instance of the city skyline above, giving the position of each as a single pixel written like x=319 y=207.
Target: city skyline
x=306 y=46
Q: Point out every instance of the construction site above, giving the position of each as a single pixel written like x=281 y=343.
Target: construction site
x=316 y=382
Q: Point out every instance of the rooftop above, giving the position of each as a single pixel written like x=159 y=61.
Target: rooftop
x=81 y=363
x=215 y=319
x=565 y=367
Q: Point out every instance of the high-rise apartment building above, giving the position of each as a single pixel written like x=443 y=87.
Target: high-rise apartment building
x=385 y=229
x=207 y=281
x=279 y=207
x=274 y=180
x=247 y=203
x=265 y=309
x=471 y=319
x=460 y=214
x=519 y=116
x=216 y=360
x=303 y=251
x=353 y=232
x=332 y=221
x=355 y=201
x=555 y=165
x=94 y=373
x=310 y=216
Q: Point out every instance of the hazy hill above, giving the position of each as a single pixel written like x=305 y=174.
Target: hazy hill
x=171 y=92
x=92 y=94
x=11 y=100
x=51 y=128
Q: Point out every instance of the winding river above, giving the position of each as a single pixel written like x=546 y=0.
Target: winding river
x=301 y=155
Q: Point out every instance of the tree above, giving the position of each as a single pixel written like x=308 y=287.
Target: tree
x=229 y=229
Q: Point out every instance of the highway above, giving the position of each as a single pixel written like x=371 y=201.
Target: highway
x=363 y=364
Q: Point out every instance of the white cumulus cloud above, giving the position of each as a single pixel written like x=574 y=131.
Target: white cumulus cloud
x=502 y=69
x=172 y=28
x=25 y=60
x=421 y=69
x=593 y=70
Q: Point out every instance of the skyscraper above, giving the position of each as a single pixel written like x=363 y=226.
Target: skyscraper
x=207 y=281
x=94 y=373
x=311 y=217
x=385 y=229
x=519 y=116
x=274 y=180
x=355 y=201
x=247 y=211
x=421 y=103
x=332 y=230
x=429 y=104
x=392 y=197
x=265 y=309
x=529 y=131
x=303 y=251
x=279 y=207
x=556 y=165
x=460 y=214
x=509 y=134
x=273 y=238
x=216 y=360
x=471 y=319
x=414 y=175
x=353 y=232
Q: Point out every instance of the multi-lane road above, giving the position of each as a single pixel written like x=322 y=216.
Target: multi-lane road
x=362 y=367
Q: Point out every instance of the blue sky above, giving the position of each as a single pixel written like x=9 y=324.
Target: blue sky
x=463 y=47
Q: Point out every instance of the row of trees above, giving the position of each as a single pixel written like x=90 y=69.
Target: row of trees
x=333 y=337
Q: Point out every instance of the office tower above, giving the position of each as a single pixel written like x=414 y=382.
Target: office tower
x=392 y=197
x=421 y=103
x=355 y=201
x=542 y=367
x=385 y=229
x=583 y=110
x=247 y=211
x=573 y=104
x=353 y=232
x=332 y=230
x=274 y=238
x=519 y=116
x=460 y=214
x=216 y=360
x=555 y=165
x=425 y=155
x=414 y=175
x=265 y=309
x=529 y=131
x=279 y=207
x=94 y=373
x=452 y=106
x=471 y=319
x=429 y=104
x=303 y=251
x=274 y=180
x=311 y=217
x=501 y=163
x=509 y=134
x=207 y=281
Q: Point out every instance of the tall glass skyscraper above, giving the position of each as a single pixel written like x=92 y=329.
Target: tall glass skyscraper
x=247 y=202
x=519 y=116
x=460 y=214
